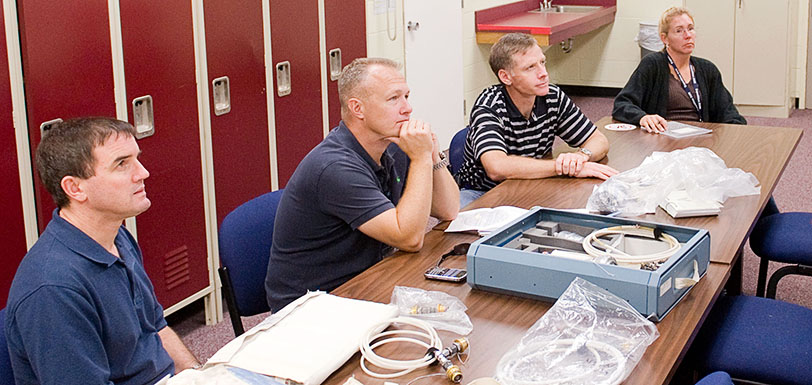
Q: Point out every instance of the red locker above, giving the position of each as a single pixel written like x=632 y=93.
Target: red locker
x=239 y=132
x=298 y=115
x=12 y=232
x=159 y=61
x=345 y=29
x=68 y=72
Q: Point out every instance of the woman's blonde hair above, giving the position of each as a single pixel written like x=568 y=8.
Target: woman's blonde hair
x=670 y=13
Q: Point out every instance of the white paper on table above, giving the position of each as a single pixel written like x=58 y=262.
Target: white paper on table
x=679 y=204
x=485 y=220
x=682 y=130
x=307 y=340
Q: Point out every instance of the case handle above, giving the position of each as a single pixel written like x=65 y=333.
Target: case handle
x=334 y=57
x=283 y=86
x=221 y=94
x=682 y=283
x=143 y=117
x=45 y=126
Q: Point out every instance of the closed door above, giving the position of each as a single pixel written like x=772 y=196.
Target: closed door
x=67 y=68
x=238 y=100
x=159 y=62
x=297 y=82
x=345 y=34
x=12 y=232
x=433 y=45
x=760 y=65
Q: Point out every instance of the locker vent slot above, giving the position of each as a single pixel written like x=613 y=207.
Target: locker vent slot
x=176 y=267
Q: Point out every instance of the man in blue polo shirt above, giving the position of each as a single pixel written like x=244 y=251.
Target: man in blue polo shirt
x=368 y=187
x=81 y=309
x=514 y=123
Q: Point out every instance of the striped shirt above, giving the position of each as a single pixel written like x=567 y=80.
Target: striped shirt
x=496 y=124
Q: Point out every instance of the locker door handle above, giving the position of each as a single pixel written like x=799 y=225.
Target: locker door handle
x=283 y=78
x=143 y=118
x=221 y=94
x=335 y=63
x=45 y=126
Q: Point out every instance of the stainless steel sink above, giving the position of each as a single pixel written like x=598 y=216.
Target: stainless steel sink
x=568 y=9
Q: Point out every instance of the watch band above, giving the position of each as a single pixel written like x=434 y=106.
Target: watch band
x=586 y=152
x=441 y=164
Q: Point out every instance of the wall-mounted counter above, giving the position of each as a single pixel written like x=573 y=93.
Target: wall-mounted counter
x=562 y=21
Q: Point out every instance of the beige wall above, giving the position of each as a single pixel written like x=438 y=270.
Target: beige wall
x=605 y=57
x=477 y=73
x=378 y=41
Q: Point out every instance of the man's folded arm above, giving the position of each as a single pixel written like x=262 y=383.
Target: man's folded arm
x=404 y=226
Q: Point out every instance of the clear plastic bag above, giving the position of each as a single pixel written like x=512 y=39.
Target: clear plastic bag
x=697 y=170
x=589 y=336
x=648 y=37
x=220 y=374
x=441 y=310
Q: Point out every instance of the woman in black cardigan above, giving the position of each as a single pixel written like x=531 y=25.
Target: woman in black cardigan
x=673 y=85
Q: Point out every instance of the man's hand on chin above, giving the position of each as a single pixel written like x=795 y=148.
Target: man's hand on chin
x=415 y=139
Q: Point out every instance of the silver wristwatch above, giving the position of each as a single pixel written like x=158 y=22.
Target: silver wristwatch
x=586 y=152
x=443 y=163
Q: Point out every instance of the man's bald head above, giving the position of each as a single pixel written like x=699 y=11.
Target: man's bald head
x=352 y=81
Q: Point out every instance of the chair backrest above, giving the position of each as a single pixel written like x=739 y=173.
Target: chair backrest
x=6 y=375
x=716 y=378
x=456 y=152
x=245 y=247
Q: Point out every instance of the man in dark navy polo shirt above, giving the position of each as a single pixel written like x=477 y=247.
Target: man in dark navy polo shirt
x=368 y=187
x=81 y=309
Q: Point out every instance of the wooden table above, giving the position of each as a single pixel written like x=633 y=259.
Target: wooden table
x=500 y=320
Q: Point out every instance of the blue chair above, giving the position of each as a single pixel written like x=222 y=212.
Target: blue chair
x=456 y=152
x=245 y=247
x=6 y=375
x=716 y=378
x=782 y=237
x=758 y=340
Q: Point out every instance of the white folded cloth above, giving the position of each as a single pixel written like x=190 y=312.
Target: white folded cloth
x=305 y=341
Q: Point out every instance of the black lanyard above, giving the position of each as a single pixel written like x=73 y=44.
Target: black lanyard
x=697 y=102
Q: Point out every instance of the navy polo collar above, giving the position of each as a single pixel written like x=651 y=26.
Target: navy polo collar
x=79 y=242
x=345 y=136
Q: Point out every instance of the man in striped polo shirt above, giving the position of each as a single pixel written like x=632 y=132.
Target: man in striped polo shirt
x=513 y=125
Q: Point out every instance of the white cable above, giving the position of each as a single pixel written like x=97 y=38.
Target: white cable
x=430 y=339
x=507 y=365
x=424 y=376
x=592 y=240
